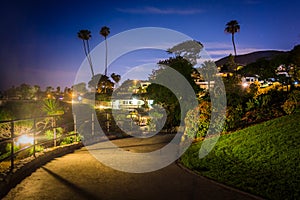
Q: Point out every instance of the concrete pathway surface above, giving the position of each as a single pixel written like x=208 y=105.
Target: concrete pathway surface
x=80 y=176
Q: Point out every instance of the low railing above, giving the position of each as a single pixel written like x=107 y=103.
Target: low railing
x=30 y=138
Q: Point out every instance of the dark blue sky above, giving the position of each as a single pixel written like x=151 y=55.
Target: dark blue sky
x=39 y=43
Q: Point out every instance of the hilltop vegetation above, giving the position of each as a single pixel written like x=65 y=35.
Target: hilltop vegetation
x=252 y=57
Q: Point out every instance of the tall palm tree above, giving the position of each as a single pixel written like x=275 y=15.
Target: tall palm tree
x=232 y=27
x=85 y=35
x=105 y=32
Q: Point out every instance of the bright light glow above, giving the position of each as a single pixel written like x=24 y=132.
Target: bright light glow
x=24 y=139
x=134 y=101
x=101 y=107
x=245 y=85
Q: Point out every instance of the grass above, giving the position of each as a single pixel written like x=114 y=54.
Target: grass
x=263 y=159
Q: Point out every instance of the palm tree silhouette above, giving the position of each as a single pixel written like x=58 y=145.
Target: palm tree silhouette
x=105 y=32
x=232 y=27
x=85 y=35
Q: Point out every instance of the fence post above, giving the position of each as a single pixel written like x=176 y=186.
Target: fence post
x=54 y=131
x=107 y=122
x=93 y=124
x=12 y=146
x=75 y=127
x=34 y=139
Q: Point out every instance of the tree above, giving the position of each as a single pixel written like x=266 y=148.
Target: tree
x=295 y=55
x=67 y=94
x=105 y=32
x=49 y=89
x=189 y=50
x=25 y=91
x=103 y=84
x=85 y=35
x=208 y=70
x=295 y=63
x=232 y=27
x=57 y=90
x=231 y=65
x=168 y=99
x=262 y=67
x=37 y=91
x=80 y=88
x=115 y=77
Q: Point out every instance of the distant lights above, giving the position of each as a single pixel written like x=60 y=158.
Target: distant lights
x=245 y=85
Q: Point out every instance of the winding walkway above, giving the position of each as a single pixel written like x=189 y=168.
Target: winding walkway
x=80 y=176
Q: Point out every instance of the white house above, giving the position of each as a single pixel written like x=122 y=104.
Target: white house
x=129 y=103
x=249 y=79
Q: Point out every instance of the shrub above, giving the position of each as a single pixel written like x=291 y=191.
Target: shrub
x=50 y=134
x=197 y=121
x=191 y=123
x=289 y=106
x=234 y=117
x=70 y=139
x=7 y=150
x=38 y=148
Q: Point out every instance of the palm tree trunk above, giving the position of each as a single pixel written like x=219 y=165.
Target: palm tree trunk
x=86 y=52
x=105 y=57
x=234 y=48
x=84 y=48
x=90 y=59
x=233 y=43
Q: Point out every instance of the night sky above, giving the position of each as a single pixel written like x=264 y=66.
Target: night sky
x=39 y=43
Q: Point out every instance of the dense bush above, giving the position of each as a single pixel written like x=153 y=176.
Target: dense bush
x=292 y=102
x=257 y=107
x=233 y=117
x=197 y=121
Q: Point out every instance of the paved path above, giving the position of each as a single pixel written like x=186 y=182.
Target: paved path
x=80 y=176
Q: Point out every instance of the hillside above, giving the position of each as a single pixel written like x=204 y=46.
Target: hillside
x=251 y=57
x=262 y=159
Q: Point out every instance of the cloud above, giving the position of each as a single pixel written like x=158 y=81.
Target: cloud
x=155 y=10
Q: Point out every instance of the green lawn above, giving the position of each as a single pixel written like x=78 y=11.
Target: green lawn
x=263 y=159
